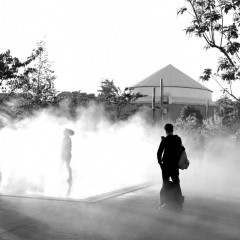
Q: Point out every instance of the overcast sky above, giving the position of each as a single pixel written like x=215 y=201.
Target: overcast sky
x=88 y=40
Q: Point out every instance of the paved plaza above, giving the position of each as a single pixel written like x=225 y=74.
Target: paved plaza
x=133 y=215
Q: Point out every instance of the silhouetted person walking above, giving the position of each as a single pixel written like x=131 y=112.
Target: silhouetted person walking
x=168 y=159
x=66 y=151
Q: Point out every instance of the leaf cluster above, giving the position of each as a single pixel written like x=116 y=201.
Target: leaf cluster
x=229 y=111
x=116 y=100
x=190 y=120
x=214 y=127
x=189 y=111
x=33 y=76
x=217 y=22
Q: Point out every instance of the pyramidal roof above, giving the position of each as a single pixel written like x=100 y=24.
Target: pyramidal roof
x=172 y=77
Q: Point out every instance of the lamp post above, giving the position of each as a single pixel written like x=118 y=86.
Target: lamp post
x=161 y=100
x=153 y=103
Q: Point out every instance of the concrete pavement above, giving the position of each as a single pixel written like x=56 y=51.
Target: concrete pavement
x=133 y=215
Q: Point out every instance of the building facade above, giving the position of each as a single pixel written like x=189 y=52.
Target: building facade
x=178 y=91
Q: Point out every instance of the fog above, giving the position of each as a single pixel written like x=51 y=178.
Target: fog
x=216 y=172
x=106 y=156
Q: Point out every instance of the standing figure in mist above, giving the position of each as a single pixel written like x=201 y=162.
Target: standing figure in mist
x=201 y=146
x=66 y=151
x=198 y=149
x=168 y=159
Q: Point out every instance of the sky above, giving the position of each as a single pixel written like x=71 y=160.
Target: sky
x=90 y=40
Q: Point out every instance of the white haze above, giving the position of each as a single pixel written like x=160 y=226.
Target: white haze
x=217 y=172
x=105 y=157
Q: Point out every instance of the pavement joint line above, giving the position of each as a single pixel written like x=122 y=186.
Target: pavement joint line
x=48 y=198
x=119 y=192
x=92 y=199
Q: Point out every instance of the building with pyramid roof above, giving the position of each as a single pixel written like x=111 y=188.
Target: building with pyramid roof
x=178 y=90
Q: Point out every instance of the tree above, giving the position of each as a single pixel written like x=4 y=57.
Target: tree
x=76 y=98
x=73 y=100
x=38 y=80
x=120 y=104
x=26 y=85
x=210 y=21
x=13 y=71
x=190 y=121
x=229 y=111
x=214 y=126
x=8 y=66
x=186 y=125
x=188 y=111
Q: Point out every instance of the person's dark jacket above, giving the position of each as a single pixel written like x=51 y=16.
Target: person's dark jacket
x=168 y=150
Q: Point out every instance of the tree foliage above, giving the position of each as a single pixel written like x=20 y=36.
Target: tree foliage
x=73 y=101
x=229 y=111
x=209 y=127
x=218 y=22
x=189 y=111
x=120 y=104
x=13 y=71
x=214 y=127
x=76 y=98
x=33 y=77
x=9 y=66
x=186 y=125
x=190 y=120
x=39 y=79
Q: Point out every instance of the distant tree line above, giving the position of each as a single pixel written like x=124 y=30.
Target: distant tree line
x=226 y=119
x=29 y=86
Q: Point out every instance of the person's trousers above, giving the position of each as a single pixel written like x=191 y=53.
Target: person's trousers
x=167 y=173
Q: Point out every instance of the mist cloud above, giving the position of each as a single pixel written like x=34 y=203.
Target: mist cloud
x=106 y=156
